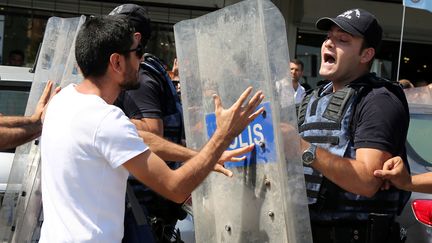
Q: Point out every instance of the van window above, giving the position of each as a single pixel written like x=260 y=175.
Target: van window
x=15 y=84
x=13 y=102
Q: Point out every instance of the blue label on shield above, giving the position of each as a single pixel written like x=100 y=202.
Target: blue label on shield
x=258 y=132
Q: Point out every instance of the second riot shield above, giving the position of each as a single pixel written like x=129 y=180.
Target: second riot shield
x=224 y=52
x=20 y=214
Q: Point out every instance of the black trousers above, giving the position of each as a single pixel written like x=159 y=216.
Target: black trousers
x=378 y=229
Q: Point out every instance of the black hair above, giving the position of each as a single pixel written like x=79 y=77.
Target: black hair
x=298 y=62
x=141 y=24
x=366 y=45
x=98 y=38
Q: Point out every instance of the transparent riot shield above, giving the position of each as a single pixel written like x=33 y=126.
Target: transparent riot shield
x=224 y=52
x=20 y=214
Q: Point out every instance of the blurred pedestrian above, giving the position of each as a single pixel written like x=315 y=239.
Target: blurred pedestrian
x=406 y=84
x=16 y=58
x=175 y=77
x=296 y=69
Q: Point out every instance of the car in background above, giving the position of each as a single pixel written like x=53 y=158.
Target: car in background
x=416 y=218
x=15 y=84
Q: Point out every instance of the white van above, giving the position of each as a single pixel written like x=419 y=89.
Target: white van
x=15 y=84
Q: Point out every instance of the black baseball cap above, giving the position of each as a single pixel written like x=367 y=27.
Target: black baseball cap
x=357 y=22
x=138 y=16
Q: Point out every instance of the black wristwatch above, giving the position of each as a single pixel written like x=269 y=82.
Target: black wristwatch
x=309 y=155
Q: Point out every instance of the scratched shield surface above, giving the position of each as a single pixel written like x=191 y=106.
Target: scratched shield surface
x=224 y=52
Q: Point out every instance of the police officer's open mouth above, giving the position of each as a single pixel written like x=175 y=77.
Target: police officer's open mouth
x=329 y=58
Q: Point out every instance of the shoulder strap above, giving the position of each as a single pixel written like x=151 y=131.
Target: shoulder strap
x=303 y=107
x=153 y=65
x=137 y=210
x=155 y=68
x=337 y=104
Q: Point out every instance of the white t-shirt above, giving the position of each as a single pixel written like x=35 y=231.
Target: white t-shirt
x=286 y=92
x=84 y=143
x=299 y=94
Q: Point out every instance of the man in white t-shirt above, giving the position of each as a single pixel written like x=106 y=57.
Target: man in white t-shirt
x=89 y=146
x=296 y=68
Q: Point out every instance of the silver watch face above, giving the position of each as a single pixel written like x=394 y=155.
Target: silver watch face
x=308 y=157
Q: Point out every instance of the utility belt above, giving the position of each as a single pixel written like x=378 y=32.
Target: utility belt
x=162 y=209
x=378 y=228
x=163 y=231
x=147 y=228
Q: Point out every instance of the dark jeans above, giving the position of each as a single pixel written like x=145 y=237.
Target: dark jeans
x=157 y=230
x=134 y=233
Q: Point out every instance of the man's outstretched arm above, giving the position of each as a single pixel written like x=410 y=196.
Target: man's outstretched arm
x=17 y=130
x=169 y=151
x=177 y=185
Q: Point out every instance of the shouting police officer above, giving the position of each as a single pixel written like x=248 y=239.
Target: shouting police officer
x=350 y=127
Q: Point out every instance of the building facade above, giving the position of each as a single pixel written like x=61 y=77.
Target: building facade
x=22 y=25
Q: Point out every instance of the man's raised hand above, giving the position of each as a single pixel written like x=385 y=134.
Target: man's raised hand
x=232 y=156
x=232 y=121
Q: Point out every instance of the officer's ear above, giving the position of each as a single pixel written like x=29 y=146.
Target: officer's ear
x=367 y=55
x=137 y=36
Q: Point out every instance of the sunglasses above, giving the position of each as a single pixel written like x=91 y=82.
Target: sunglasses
x=139 y=51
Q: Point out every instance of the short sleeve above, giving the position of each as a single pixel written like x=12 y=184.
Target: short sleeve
x=117 y=139
x=146 y=101
x=382 y=122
